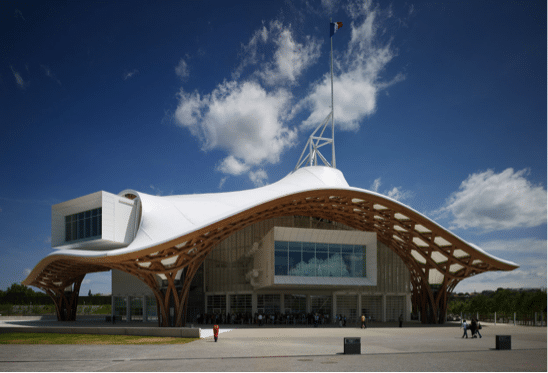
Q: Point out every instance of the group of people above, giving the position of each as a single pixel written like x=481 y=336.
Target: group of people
x=474 y=327
x=260 y=319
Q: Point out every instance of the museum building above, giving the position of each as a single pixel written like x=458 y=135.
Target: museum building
x=308 y=243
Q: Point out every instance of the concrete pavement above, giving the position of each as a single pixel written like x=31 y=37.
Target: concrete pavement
x=384 y=347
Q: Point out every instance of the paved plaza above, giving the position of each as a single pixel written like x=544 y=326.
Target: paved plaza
x=384 y=347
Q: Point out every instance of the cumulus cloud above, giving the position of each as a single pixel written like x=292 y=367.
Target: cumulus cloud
x=230 y=165
x=182 y=69
x=528 y=253
x=276 y=57
x=18 y=79
x=357 y=72
x=253 y=116
x=258 y=177
x=492 y=201
x=241 y=118
x=396 y=193
x=290 y=59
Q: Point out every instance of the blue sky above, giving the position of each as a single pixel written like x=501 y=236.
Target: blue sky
x=441 y=105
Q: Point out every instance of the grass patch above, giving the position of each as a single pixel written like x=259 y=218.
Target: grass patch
x=87 y=339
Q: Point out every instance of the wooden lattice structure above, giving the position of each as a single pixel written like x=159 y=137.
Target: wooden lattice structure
x=437 y=260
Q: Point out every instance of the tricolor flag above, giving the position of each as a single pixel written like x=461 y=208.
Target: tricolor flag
x=334 y=27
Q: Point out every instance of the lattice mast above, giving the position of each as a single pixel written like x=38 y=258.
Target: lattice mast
x=315 y=142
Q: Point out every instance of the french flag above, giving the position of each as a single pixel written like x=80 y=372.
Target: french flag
x=334 y=27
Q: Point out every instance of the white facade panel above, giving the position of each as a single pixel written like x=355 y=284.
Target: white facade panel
x=123 y=227
x=118 y=221
x=108 y=217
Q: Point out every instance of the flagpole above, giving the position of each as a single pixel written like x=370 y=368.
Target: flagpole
x=332 y=107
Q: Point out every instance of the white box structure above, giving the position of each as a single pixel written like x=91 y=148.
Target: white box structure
x=119 y=221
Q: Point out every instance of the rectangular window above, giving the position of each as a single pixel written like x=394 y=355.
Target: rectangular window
x=280 y=258
x=295 y=259
x=347 y=253
x=82 y=225
x=311 y=259
x=270 y=303
x=322 y=250
x=334 y=262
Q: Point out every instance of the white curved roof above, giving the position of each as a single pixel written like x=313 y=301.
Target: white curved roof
x=166 y=218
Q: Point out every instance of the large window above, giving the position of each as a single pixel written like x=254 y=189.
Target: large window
x=319 y=259
x=240 y=303
x=268 y=303
x=83 y=225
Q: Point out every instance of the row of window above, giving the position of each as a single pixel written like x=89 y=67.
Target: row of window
x=83 y=225
x=319 y=259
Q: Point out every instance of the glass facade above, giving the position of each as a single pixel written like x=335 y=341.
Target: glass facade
x=319 y=259
x=83 y=225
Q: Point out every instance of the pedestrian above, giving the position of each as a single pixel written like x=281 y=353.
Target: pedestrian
x=473 y=326
x=478 y=328
x=465 y=327
x=215 y=332
x=401 y=320
x=260 y=319
x=363 y=322
x=344 y=322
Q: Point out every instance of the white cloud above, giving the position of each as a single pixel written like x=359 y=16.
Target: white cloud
x=18 y=79
x=230 y=165
x=357 y=73
x=525 y=247
x=240 y=118
x=395 y=193
x=528 y=253
x=49 y=74
x=376 y=184
x=493 y=202
x=128 y=75
x=398 y=194
x=222 y=182
x=182 y=69
x=27 y=271
x=258 y=177
x=250 y=116
x=288 y=60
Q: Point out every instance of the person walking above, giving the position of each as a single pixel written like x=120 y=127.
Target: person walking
x=401 y=320
x=465 y=327
x=478 y=328
x=473 y=327
x=363 y=322
x=215 y=332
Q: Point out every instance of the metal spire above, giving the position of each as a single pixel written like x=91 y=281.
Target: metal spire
x=317 y=141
